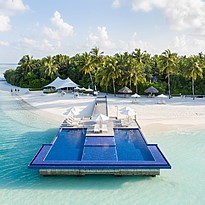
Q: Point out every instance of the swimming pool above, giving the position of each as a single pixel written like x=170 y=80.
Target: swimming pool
x=68 y=145
x=131 y=145
x=73 y=152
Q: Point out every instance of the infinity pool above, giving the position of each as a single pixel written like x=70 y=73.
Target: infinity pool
x=131 y=146
x=73 y=150
x=72 y=144
x=68 y=145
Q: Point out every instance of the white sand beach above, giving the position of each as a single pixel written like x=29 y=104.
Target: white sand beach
x=177 y=113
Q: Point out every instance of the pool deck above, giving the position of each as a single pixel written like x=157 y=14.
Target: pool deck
x=100 y=108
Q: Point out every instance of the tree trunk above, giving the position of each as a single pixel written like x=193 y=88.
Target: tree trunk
x=91 y=80
x=136 y=87
x=113 y=84
x=193 y=89
x=169 y=86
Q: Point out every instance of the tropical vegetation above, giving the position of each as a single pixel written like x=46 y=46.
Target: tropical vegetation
x=169 y=72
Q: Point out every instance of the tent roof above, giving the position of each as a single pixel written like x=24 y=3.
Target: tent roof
x=59 y=83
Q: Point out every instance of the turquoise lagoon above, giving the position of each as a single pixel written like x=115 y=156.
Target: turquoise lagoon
x=24 y=129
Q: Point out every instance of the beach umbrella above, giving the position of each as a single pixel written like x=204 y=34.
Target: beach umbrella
x=74 y=111
x=135 y=96
x=151 y=90
x=162 y=96
x=127 y=108
x=100 y=118
x=128 y=111
x=124 y=90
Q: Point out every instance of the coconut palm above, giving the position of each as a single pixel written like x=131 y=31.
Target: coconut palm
x=193 y=70
x=50 y=68
x=87 y=66
x=140 y=62
x=26 y=63
x=108 y=73
x=168 y=63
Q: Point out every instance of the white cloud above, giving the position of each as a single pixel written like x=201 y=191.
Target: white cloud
x=147 y=5
x=62 y=29
x=180 y=42
x=181 y=15
x=4 y=23
x=37 y=45
x=186 y=15
x=101 y=39
x=9 y=8
x=116 y=4
x=187 y=45
x=4 y=43
x=133 y=43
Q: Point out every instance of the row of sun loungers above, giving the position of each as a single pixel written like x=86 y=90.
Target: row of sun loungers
x=70 y=122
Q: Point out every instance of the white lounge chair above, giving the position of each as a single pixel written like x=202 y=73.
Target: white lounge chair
x=104 y=128
x=124 y=123
x=96 y=128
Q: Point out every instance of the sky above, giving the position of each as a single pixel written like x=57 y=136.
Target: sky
x=43 y=28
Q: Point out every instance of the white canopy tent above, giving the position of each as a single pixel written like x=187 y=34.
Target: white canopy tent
x=59 y=83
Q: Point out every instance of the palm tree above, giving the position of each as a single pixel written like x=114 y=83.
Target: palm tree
x=62 y=62
x=124 y=61
x=50 y=68
x=168 y=64
x=137 y=73
x=87 y=66
x=138 y=64
x=97 y=55
x=193 y=70
x=26 y=63
x=97 y=59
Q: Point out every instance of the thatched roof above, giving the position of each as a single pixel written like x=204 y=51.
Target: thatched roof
x=125 y=90
x=151 y=90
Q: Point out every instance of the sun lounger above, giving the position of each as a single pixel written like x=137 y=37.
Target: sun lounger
x=96 y=128
x=104 y=128
x=124 y=123
x=70 y=123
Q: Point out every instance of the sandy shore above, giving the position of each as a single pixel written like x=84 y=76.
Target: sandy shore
x=176 y=114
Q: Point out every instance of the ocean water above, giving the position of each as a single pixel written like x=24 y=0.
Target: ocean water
x=22 y=131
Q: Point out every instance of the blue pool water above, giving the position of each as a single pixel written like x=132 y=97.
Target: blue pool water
x=71 y=144
x=23 y=131
x=68 y=145
x=131 y=146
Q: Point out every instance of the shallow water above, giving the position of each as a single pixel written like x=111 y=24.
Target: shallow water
x=24 y=129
